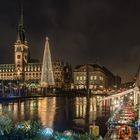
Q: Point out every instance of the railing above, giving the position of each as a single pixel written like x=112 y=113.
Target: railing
x=118 y=94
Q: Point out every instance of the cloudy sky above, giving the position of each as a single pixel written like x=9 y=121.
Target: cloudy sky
x=80 y=31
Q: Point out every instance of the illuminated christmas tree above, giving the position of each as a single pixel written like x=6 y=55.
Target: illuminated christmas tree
x=47 y=78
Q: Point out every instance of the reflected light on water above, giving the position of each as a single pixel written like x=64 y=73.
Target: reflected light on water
x=58 y=113
x=46 y=111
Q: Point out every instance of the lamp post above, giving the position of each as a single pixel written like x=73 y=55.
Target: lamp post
x=18 y=87
x=2 y=88
x=10 y=88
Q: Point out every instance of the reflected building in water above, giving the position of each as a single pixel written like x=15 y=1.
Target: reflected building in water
x=37 y=109
x=47 y=111
x=87 y=111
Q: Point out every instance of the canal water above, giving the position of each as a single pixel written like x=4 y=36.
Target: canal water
x=60 y=113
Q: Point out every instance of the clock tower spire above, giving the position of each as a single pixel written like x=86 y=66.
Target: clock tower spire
x=21 y=50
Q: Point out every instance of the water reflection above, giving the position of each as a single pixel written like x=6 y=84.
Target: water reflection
x=60 y=113
x=46 y=111
x=89 y=110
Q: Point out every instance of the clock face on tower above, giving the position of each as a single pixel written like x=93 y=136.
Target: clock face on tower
x=18 y=56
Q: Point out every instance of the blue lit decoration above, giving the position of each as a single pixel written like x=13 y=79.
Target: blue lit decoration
x=33 y=85
x=47 y=132
x=19 y=126
x=63 y=138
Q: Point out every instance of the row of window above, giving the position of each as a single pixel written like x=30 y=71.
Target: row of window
x=29 y=78
x=11 y=74
x=29 y=75
x=26 y=69
x=33 y=74
x=32 y=69
x=57 y=73
x=91 y=78
x=90 y=86
x=6 y=70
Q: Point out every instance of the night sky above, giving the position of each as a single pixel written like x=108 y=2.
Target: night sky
x=80 y=31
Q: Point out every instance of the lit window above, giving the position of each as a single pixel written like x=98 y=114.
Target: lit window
x=67 y=70
x=81 y=78
x=95 y=77
x=84 y=77
x=101 y=86
x=18 y=56
x=101 y=78
x=77 y=78
x=91 y=77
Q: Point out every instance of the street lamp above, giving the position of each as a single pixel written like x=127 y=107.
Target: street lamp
x=10 y=88
x=2 y=88
x=18 y=87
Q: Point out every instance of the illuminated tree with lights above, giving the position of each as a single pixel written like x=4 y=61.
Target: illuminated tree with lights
x=47 y=78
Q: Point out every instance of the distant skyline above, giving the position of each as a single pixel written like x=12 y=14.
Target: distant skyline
x=80 y=31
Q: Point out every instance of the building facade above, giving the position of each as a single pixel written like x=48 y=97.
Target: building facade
x=96 y=76
x=58 y=69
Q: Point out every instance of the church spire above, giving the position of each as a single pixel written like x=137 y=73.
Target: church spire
x=21 y=18
x=21 y=38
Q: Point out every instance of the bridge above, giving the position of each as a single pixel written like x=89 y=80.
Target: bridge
x=135 y=93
